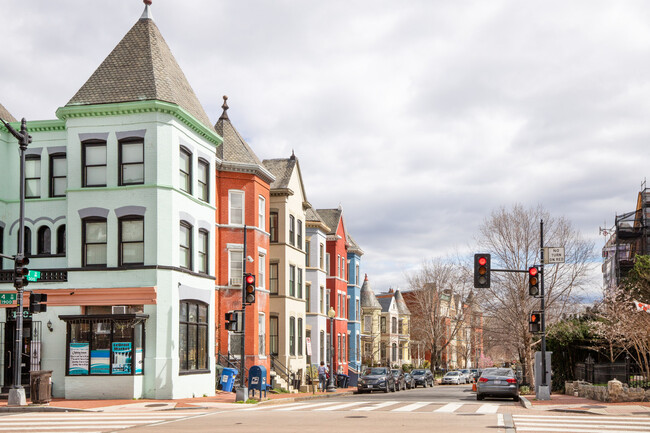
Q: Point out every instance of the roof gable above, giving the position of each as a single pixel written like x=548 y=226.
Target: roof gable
x=141 y=67
x=6 y=115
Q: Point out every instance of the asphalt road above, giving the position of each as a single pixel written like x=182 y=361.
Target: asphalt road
x=441 y=409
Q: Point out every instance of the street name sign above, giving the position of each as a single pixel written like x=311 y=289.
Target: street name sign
x=553 y=255
x=7 y=298
x=33 y=275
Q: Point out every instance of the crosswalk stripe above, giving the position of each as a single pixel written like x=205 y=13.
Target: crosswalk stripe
x=545 y=429
x=61 y=427
x=304 y=405
x=488 y=408
x=586 y=421
x=90 y=417
x=377 y=406
x=342 y=406
x=411 y=407
x=449 y=408
x=266 y=406
x=580 y=417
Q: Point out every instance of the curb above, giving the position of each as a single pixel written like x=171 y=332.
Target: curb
x=523 y=401
x=39 y=408
x=304 y=398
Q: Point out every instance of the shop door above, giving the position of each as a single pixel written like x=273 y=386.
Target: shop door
x=30 y=348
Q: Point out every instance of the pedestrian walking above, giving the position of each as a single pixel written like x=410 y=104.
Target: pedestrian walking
x=322 y=375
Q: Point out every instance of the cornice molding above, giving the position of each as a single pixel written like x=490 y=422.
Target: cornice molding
x=139 y=107
x=242 y=167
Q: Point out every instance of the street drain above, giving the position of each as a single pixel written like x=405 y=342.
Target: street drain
x=356 y=416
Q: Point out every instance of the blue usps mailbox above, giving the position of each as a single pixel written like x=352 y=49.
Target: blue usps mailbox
x=257 y=379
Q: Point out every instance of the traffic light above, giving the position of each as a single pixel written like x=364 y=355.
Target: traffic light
x=249 y=288
x=481 y=271
x=20 y=271
x=36 y=302
x=533 y=281
x=535 y=323
x=233 y=321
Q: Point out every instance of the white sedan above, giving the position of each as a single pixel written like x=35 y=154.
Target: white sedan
x=455 y=377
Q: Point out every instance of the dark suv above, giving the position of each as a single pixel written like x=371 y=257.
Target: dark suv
x=423 y=377
x=376 y=379
x=400 y=380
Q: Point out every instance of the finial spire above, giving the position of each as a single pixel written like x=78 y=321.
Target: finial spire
x=293 y=155
x=366 y=277
x=146 y=14
x=225 y=107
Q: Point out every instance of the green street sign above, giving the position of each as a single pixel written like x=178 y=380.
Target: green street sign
x=33 y=275
x=7 y=298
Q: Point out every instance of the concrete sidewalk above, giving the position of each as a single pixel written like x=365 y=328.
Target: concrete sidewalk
x=570 y=404
x=220 y=400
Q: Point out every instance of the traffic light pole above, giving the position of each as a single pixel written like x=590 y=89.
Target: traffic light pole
x=17 y=392
x=242 y=391
x=543 y=392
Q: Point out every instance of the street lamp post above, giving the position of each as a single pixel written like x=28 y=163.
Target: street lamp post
x=330 y=384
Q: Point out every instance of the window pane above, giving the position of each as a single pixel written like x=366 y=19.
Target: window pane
x=236 y=208
x=203 y=191
x=32 y=187
x=185 y=182
x=96 y=175
x=95 y=155
x=203 y=344
x=133 y=173
x=132 y=152
x=132 y=230
x=185 y=237
x=184 y=257
x=59 y=167
x=183 y=346
x=183 y=313
x=192 y=347
x=96 y=254
x=33 y=168
x=59 y=185
x=95 y=232
x=133 y=253
x=185 y=162
x=202 y=172
x=203 y=314
x=193 y=313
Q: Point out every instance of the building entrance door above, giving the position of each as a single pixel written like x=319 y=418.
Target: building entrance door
x=30 y=358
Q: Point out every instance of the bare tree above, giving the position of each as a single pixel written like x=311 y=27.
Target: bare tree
x=512 y=236
x=437 y=316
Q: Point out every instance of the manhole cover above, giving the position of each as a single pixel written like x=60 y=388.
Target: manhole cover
x=156 y=405
x=356 y=416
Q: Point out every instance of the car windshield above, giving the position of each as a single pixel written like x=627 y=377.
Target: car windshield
x=498 y=372
x=375 y=371
x=452 y=373
x=395 y=372
x=418 y=372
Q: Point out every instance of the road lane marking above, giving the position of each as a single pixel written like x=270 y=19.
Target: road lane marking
x=66 y=427
x=342 y=406
x=449 y=408
x=580 y=417
x=305 y=405
x=488 y=408
x=587 y=429
x=411 y=407
x=500 y=422
x=377 y=406
x=267 y=406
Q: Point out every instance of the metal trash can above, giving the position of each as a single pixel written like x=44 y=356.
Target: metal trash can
x=228 y=379
x=40 y=386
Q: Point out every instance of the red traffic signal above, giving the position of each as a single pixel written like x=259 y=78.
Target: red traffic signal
x=481 y=271
x=249 y=288
x=535 y=322
x=533 y=281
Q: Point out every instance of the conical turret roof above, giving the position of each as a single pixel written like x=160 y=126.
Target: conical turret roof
x=6 y=115
x=140 y=68
x=401 y=303
x=368 y=298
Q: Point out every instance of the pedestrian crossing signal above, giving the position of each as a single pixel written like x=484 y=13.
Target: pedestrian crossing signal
x=535 y=322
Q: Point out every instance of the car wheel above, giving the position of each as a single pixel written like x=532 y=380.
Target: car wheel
x=515 y=398
x=394 y=389
x=386 y=389
x=480 y=396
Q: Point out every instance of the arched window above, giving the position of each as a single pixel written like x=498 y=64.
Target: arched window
x=27 y=247
x=44 y=245
x=60 y=240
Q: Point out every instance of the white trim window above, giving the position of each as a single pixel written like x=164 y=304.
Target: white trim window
x=327 y=265
x=235 y=267
x=261 y=332
x=261 y=266
x=236 y=207
x=261 y=212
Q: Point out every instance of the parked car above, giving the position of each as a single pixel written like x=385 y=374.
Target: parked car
x=498 y=382
x=423 y=377
x=455 y=377
x=400 y=382
x=410 y=382
x=376 y=379
x=467 y=374
x=475 y=374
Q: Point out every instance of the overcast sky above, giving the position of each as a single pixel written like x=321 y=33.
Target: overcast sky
x=418 y=117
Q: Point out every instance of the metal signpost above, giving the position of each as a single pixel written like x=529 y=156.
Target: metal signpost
x=17 y=392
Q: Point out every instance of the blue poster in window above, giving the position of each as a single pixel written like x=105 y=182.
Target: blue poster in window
x=138 y=361
x=121 y=358
x=99 y=360
x=78 y=359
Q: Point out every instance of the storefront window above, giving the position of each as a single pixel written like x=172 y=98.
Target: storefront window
x=193 y=328
x=103 y=344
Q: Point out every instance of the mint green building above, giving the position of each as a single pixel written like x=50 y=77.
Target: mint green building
x=120 y=220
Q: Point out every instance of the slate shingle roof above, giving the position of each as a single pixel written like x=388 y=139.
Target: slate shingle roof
x=331 y=218
x=234 y=147
x=6 y=115
x=368 y=298
x=282 y=170
x=385 y=303
x=401 y=303
x=141 y=67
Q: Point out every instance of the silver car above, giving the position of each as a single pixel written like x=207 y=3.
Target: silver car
x=497 y=382
x=455 y=377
